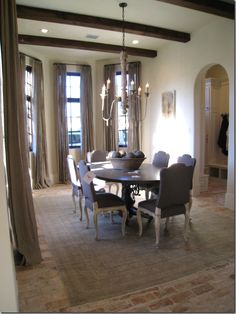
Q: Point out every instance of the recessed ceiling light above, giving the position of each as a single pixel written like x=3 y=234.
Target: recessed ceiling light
x=135 y=42
x=44 y=30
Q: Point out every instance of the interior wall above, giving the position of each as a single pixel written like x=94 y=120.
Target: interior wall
x=176 y=68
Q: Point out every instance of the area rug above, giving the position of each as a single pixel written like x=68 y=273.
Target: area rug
x=93 y=270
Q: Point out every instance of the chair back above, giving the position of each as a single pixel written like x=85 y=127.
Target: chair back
x=161 y=159
x=96 y=156
x=188 y=160
x=88 y=188
x=174 y=186
x=74 y=178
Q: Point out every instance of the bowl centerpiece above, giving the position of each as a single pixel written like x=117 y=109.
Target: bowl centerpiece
x=127 y=161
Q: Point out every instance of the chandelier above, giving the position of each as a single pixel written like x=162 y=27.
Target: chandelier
x=127 y=97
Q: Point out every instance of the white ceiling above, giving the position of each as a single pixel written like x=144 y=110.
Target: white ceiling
x=149 y=12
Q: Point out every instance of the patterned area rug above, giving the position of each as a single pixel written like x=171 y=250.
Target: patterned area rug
x=92 y=270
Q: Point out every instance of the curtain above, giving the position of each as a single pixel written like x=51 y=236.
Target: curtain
x=62 y=132
x=135 y=109
x=110 y=131
x=86 y=107
x=19 y=190
x=40 y=177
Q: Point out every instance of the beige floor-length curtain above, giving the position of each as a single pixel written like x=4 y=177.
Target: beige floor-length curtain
x=86 y=107
x=134 y=112
x=61 y=124
x=110 y=131
x=40 y=173
x=19 y=190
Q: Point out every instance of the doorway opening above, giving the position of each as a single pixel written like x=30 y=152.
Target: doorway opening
x=211 y=131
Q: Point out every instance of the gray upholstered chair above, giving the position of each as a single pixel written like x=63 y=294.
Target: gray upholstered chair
x=172 y=200
x=99 y=203
x=160 y=160
x=188 y=160
x=75 y=183
x=100 y=156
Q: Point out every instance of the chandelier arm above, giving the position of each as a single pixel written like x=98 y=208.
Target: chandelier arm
x=111 y=109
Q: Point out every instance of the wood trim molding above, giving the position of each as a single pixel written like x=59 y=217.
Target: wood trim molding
x=215 y=7
x=83 y=45
x=33 y=13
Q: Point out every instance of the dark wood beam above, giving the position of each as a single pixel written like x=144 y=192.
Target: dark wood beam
x=216 y=7
x=53 y=16
x=84 y=45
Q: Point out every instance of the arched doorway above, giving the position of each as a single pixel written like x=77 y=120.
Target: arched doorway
x=211 y=97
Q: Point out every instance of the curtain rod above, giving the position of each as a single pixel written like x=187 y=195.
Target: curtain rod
x=72 y=64
x=29 y=56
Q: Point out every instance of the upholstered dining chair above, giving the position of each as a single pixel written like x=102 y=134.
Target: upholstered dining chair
x=188 y=160
x=99 y=203
x=160 y=160
x=172 y=200
x=77 y=191
x=75 y=183
x=99 y=155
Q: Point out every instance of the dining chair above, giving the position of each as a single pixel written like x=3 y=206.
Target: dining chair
x=99 y=203
x=99 y=155
x=173 y=199
x=188 y=160
x=77 y=191
x=75 y=183
x=160 y=160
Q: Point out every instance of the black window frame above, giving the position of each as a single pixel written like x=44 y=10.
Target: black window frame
x=71 y=133
x=29 y=106
x=125 y=131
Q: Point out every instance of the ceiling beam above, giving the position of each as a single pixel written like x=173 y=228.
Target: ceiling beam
x=54 y=16
x=216 y=7
x=83 y=45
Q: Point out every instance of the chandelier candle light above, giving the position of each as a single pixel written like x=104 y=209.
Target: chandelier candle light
x=125 y=97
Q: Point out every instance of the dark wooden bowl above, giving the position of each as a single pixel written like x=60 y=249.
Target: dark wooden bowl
x=127 y=163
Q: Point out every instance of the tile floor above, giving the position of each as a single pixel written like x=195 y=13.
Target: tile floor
x=208 y=290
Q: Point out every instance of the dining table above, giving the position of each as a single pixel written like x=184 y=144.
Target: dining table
x=132 y=181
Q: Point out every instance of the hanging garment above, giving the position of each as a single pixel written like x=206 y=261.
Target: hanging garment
x=222 y=139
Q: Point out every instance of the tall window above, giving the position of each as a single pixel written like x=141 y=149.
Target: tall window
x=28 y=98
x=73 y=109
x=123 y=123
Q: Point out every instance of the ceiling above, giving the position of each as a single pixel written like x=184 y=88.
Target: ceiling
x=149 y=12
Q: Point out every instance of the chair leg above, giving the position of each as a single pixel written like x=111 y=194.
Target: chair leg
x=139 y=219
x=74 y=201
x=186 y=223
x=124 y=217
x=190 y=205
x=87 y=216
x=95 y=219
x=80 y=206
x=157 y=221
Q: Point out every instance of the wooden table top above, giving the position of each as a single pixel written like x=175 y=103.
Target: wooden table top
x=146 y=174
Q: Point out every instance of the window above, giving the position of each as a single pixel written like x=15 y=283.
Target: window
x=123 y=123
x=73 y=109
x=28 y=100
